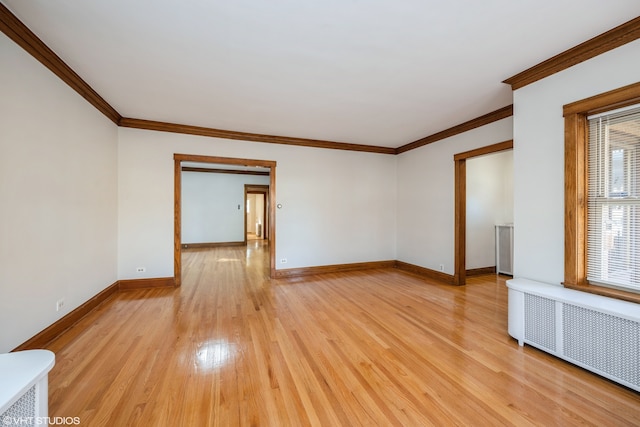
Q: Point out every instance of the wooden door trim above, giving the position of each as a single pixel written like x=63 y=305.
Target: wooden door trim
x=177 y=204
x=460 y=209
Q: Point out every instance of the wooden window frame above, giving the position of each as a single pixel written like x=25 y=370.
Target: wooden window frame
x=576 y=158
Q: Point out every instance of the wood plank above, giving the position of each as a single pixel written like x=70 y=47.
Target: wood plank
x=128 y=122
x=224 y=171
x=152 y=282
x=335 y=268
x=26 y=39
x=377 y=347
x=208 y=245
x=489 y=149
x=491 y=117
x=482 y=271
x=427 y=273
x=607 y=101
x=460 y=222
x=614 y=38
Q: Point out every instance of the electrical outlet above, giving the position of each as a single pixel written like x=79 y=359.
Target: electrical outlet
x=59 y=304
x=140 y=270
x=283 y=261
x=441 y=267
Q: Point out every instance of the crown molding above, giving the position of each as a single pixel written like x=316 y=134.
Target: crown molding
x=25 y=38
x=245 y=136
x=616 y=37
x=17 y=31
x=491 y=117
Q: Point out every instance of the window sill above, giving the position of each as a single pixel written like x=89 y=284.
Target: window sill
x=607 y=292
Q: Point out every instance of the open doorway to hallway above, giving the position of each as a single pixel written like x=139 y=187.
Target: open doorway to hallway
x=221 y=207
x=256 y=212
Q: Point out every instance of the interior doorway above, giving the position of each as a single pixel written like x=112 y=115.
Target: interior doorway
x=232 y=162
x=489 y=204
x=256 y=223
x=460 y=209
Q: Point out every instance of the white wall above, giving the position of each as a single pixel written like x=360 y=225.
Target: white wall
x=210 y=203
x=425 y=226
x=539 y=156
x=489 y=202
x=58 y=189
x=337 y=206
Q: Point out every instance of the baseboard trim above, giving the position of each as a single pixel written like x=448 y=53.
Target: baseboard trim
x=336 y=268
x=156 y=282
x=44 y=337
x=426 y=272
x=210 y=245
x=47 y=335
x=50 y=333
x=481 y=271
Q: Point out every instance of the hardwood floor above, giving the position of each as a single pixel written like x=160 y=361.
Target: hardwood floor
x=382 y=347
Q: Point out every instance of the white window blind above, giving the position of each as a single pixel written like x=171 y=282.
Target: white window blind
x=613 y=235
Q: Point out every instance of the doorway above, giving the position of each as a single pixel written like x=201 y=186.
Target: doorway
x=256 y=219
x=489 y=204
x=460 y=209
x=248 y=163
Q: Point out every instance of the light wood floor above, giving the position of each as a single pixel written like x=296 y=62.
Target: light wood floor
x=380 y=347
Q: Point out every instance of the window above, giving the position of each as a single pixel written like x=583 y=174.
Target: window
x=602 y=194
x=613 y=207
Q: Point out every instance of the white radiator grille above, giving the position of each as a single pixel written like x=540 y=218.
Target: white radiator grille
x=540 y=321
x=504 y=248
x=24 y=409
x=595 y=332
x=607 y=343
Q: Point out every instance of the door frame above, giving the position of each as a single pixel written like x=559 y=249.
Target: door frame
x=460 y=209
x=177 y=204
x=258 y=189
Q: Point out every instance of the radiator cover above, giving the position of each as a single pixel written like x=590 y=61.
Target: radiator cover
x=597 y=333
x=24 y=387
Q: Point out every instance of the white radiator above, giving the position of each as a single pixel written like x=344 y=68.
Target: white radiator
x=504 y=249
x=597 y=333
x=24 y=387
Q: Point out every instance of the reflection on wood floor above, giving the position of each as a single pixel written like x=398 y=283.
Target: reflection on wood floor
x=253 y=236
x=381 y=347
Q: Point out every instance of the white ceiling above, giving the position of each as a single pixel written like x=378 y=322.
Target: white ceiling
x=375 y=72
